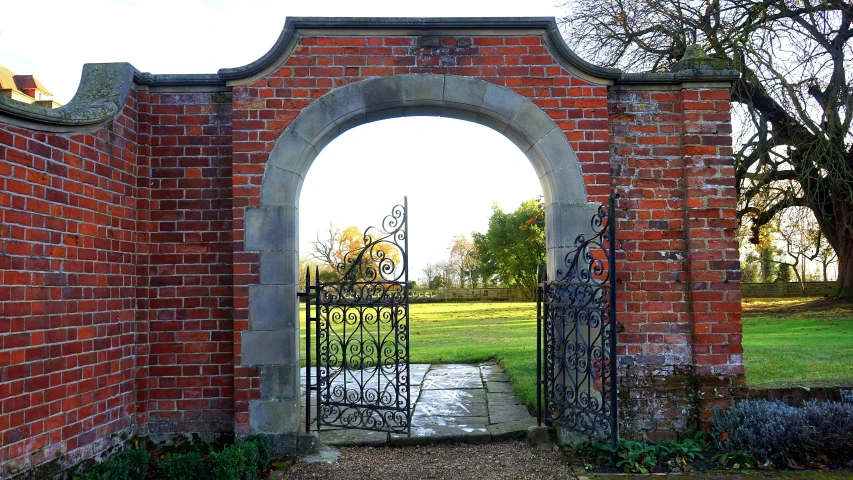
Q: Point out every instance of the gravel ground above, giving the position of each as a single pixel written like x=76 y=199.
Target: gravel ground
x=491 y=461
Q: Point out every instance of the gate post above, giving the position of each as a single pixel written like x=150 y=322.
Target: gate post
x=272 y=341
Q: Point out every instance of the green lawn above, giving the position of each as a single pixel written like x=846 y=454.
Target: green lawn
x=798 y=341
x=786 y=341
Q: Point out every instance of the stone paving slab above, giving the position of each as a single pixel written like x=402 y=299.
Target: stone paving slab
x=450 y=403
x=493 y=373
x=445 y=377
x=444 y=421
x=498 y=387
x=349 y=437
x=510 y=430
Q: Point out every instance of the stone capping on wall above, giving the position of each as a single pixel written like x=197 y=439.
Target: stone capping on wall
x=101 y=95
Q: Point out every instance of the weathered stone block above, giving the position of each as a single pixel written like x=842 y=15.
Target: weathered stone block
x=273 y=307
x=314 y=122
x=502 y=101
x=465 y=91
x=533 y=121
x=278 y=347
x=281 y=268
x=291 y=153
x=421 y=88
x=271 y=416
x=280 y=382
x=281 y=187
x=272 y=228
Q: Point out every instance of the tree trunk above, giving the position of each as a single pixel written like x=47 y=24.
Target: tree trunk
x=840 y=237
x=845 y=269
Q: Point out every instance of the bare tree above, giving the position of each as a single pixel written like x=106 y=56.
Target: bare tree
x=794 y=92
x=463 y=256
x=327 y=247
x=826 y=257
x=430 y=271
x=801 y=236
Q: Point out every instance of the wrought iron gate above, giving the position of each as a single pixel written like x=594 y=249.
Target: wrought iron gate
x=360 y=320
x=576 y=336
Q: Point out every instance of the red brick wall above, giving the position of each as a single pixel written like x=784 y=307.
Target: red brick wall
x=185 y=377
x=68 y=228
x=679 y=304
x=713 y=259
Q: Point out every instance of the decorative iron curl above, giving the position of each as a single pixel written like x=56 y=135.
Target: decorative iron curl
x=587 y=261
x=375 y=262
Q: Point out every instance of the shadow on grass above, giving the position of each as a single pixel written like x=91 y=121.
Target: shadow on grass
x=816 y=308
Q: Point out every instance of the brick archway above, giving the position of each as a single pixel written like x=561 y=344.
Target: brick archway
x=271 y=228
x=152 y=222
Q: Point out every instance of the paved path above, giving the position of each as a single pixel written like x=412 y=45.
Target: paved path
x=451 y=403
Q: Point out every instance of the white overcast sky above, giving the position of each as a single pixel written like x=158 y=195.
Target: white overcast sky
x=452 y=171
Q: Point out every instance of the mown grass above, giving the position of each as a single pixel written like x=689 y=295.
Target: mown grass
x=786 y=341
x=798 y=341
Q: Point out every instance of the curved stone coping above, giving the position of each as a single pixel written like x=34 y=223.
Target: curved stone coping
x=546 y=26
x=101 y=95
x=500 y=108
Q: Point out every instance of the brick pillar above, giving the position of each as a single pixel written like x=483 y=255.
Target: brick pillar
x=713 y=269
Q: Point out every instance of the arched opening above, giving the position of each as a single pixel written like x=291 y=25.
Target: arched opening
x=272 y=228
x=452 y=172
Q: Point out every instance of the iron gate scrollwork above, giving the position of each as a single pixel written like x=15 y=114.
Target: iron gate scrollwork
x=361 y=327
x=576 y=312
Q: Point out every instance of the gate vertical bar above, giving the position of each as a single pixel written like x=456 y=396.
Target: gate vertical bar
x=317 y=341
x=539 y=289
x=611 y=228
x=307 y=297
x=406 y=301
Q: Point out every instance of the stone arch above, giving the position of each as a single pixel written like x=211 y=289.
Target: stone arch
x=272 y=341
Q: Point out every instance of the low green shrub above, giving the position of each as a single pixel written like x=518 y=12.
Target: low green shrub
x=127 y=465
x=187 y=466
x=778 y=434
x=228 y=464
x=264 y=449
x=641 y=457
x=249 y=451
